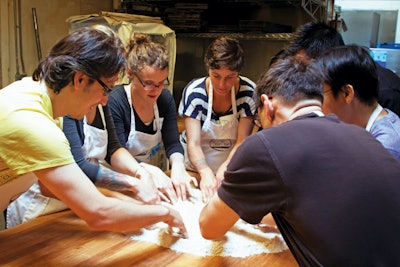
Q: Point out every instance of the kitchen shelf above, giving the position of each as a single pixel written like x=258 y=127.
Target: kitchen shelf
x=200 y=18
x=245 y=36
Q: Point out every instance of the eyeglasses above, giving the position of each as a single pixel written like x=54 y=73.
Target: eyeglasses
x=150 y=85
x=107 y=90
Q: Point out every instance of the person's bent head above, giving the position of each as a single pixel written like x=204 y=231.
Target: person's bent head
x=224 y=52
x=291 y=80
x=351 y=65
x=143 y=52
x=148 y=62
x=91 y=51
x=313 y=38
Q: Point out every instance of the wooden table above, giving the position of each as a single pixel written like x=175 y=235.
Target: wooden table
x=62 y=239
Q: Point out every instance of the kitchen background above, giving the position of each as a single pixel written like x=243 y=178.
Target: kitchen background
x=30 y=27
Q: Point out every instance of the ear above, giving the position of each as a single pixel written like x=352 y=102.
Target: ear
x=268 y=106
x=129 y=73
x=349 y=93
x=79 y=78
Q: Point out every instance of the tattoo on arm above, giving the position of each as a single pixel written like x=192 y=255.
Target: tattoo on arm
x=112 y=180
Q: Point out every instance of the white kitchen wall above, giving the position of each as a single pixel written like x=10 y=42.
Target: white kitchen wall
x=373 y=5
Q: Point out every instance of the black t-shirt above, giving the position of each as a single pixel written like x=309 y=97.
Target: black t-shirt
x=332 y=188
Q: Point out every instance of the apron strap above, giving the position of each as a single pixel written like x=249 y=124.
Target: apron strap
x=103 y=119
x=157 y=125
x=210 y=101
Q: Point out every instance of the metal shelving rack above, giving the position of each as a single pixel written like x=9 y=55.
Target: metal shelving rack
x=317 y=9
x=244 y=36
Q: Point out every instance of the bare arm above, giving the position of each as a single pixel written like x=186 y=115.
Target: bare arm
x=216 y=219
x=208 y=183
x=193 y=138
x=123 y=161
x=142 y=186
x=69 y=184
x=154 y=177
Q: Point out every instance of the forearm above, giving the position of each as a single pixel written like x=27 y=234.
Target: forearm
x=121 y=214
x=198 y=159
x=216 y=218
x=116 y=181
x=71 y=186
x=129 y=216
x=123 y=162
x=107 y=179
x=177 y=160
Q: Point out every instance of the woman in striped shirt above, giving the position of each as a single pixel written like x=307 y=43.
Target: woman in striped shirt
x=218 y=111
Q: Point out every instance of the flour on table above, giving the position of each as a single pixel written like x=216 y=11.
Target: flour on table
x=242 y=240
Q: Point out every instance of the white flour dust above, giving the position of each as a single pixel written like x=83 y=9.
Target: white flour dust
x=242 y=240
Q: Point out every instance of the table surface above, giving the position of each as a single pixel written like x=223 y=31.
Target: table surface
x=63 y=239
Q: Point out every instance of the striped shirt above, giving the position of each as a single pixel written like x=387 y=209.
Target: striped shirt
x=194 y=100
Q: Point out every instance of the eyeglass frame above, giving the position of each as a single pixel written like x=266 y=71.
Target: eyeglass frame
x=257 y=120
x=107 y=90
x=152 y=86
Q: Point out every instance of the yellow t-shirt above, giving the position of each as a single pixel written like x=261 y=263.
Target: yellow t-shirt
x=30 y=139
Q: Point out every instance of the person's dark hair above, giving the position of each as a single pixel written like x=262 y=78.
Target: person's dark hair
x=291 y=80
x=314 y=38
x=142 y=52
x=353 y=65
x=281 y=54
x=224 y=52
x=91 y=51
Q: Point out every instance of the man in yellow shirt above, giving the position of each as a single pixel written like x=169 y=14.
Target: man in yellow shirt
x=74 y=78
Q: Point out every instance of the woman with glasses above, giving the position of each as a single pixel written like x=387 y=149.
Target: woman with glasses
x=144 y=112
x=218 y=111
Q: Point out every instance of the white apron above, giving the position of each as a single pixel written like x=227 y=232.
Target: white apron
x=217 y=139
x=30 y=205
x=33 y=203
x=95 y=144
x=146 y=147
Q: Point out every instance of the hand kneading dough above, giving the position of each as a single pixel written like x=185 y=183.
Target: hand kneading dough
x=242 y=240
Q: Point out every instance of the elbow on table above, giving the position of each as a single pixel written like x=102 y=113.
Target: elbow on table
x=210 y=233
x=212 y=236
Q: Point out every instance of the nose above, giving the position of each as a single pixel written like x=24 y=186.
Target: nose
x=221 y=83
